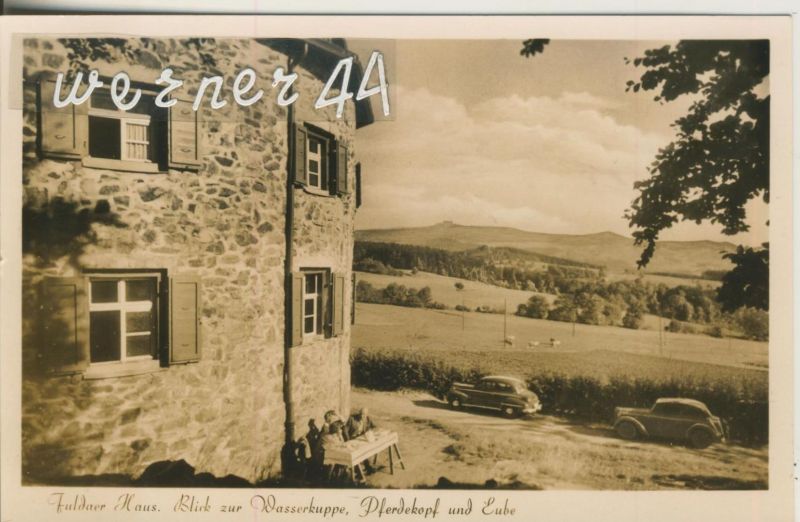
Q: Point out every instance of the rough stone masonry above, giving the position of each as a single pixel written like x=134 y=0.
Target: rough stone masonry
x=223 y=222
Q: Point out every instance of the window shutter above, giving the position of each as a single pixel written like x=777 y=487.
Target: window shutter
x=65 y=325
x=341 y=169
x=184 y=145
x=300 y=137
x=63 y=133
x=296 y=312
x=358 y=185
x=184 y=319
x=338 y=303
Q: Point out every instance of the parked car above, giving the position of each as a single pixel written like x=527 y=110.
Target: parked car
x=678 y=419
x=505 y=394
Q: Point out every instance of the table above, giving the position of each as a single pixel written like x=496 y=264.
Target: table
x=355 y=451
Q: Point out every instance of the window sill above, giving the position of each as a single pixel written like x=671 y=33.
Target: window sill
x=112 y=164
x=123 y=369
x=317 y=192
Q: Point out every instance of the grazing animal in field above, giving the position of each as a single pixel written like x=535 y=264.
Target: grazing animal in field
x=509 y=340
x=554 y=342
x=533 y=344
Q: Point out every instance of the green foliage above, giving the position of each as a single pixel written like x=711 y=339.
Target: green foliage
x=753 y=323
x=374 y=266
x=537 y=307
x=533 y=46
x=744 y=407
x=397 y=295
x=634 y=318
x=748 y=283
x=720 y=157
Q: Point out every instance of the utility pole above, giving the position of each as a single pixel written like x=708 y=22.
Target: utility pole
x=505 y=321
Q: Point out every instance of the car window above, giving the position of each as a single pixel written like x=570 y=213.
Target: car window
x=667 y=408
x=693 y=412
x=486 y=385
x=504 y=387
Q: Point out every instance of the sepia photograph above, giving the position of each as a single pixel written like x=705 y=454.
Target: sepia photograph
x=490 y=264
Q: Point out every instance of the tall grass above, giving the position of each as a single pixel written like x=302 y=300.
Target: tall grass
x=743 y=405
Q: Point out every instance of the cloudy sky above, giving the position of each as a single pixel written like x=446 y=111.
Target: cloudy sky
x=483 y=136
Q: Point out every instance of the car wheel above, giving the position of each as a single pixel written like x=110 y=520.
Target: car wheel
x=627 y=430
x=455 y=403
x=700 y=438
x=509 y=412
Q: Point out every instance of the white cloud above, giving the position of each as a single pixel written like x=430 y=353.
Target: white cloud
x=558 y=165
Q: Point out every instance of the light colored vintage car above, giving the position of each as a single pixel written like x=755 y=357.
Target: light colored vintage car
x=671 y=418
x=508 y=395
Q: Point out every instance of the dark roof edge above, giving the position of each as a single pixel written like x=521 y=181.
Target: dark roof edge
x=364 y=113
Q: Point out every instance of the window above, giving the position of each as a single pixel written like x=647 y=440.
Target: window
x=667 y=408
x=317 y=164
x=122 y=135
x=145 y=138
x=320 y=161
x=313 y=304
x=123 y=318
x=317 y=304
x=112 y=322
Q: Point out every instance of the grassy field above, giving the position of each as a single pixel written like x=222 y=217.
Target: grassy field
x=444 y=291
x=477 y=294
x=476 y=339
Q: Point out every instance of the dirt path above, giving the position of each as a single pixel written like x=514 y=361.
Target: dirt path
x=470 y=447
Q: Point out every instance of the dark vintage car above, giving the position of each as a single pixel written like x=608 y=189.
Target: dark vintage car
x=677 y=419
x=505 y=394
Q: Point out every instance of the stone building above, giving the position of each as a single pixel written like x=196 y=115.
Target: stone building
x=187 y=274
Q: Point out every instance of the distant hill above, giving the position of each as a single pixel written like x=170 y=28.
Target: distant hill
x=615 y=252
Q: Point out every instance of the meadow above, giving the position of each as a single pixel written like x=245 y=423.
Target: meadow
x=584 y=375
x=443 y=288
x=596 y=350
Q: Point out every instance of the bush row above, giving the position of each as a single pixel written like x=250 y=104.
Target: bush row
x=744 y=408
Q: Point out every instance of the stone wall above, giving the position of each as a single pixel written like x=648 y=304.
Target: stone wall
x=223 y=223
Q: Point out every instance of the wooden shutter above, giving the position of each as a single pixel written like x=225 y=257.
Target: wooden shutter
x=338 y=303
x=342 y=186
x=64 y=132
x=64 y=325
x=358 y=185
x=184 y=144
x=184 y=319
x=300 y=137
x=296 y=312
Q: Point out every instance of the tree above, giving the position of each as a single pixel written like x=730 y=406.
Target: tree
x=459 y=285
x=720 y=158
x=748 y=283
x=536 y=307
x=634 y=317
x=754 y=323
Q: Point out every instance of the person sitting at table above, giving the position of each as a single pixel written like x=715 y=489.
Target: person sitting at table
x=332 y=431
x=359 y=423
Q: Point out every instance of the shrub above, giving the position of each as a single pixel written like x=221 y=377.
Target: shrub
x=633 y=319
x=744 y=407
x=536 y=307
x=715 y=331
x=754 y=323
x=462 y=308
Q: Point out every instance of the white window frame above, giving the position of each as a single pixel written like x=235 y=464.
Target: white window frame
x=318 y=157
x=125 y=118
x=318 y=308
x=123 y=307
